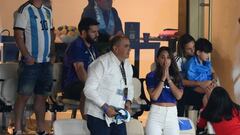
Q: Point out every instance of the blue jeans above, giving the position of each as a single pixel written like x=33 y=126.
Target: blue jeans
x=36 y=78
x=98 y=126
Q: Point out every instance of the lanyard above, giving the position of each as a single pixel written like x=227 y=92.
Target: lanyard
x=92 y=53
x=125 y=90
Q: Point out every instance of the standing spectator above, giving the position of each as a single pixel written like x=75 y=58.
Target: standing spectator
x=33 y=31
x=186 y=49
x=110 y=23
x=165 y=88
x=222 y=113
x=78 y=56
x=109 y=87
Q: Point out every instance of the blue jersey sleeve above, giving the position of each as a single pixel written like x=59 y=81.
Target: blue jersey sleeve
x=150 y=81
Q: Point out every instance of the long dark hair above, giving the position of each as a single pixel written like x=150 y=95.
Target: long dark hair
x=183 y=40
x=173 y=69
x=220 y=106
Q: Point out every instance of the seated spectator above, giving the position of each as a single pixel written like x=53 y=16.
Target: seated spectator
x=221 y=112
x=78 y=56
x=199 y=68
x=186 y=49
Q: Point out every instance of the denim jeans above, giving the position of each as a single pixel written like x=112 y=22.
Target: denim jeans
x=36 y=78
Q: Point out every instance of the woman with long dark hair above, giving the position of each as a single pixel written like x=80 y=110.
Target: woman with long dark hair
x=222 y=113
x=165 y=88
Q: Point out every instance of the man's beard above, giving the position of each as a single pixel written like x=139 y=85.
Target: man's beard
x=90 y=40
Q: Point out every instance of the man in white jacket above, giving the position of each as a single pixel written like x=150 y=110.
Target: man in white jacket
x=109 y=87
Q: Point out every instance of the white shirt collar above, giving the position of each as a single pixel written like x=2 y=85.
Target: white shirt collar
x=115 y=59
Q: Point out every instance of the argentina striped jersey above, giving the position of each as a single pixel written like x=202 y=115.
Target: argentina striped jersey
x=37 y=24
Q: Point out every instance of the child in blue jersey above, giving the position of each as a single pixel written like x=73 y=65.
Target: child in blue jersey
x=165 y=88
x=199 y=68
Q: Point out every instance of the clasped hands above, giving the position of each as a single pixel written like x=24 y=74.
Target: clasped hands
x=111 y=111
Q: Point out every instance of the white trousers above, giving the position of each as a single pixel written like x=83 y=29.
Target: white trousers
x=162 y=121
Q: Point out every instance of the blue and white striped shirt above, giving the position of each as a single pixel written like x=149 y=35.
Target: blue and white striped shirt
x=37 y=24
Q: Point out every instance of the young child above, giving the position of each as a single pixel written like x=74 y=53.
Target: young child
x=199 y=68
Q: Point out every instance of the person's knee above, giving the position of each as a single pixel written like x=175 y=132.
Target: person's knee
x=22 y=99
